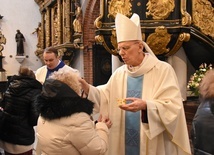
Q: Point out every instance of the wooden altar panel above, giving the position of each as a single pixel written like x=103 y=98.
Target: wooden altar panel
x=57 y=28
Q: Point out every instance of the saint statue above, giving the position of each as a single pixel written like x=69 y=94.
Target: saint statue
x=20 y=39
x=77 y=21
x=38 y=31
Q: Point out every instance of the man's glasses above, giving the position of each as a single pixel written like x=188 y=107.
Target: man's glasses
x=126 y=48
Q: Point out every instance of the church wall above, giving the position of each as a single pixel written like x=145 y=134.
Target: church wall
x=22 y=15
x=25 y=16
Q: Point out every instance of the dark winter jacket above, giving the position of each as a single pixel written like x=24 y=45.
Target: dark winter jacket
x=203 y=129
x=19 y=113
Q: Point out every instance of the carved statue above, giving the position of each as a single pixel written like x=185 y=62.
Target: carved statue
x=77 y=21
x=2 y=41
x=38 y=31
x=20 y=39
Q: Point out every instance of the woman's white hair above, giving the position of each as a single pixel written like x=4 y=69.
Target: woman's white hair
x=68 y=77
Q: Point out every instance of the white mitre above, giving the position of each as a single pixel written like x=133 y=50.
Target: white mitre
x=128 y=29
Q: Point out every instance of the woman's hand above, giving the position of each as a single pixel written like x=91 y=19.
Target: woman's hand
x=84 y=85
x=105 y=120
x=135 y=105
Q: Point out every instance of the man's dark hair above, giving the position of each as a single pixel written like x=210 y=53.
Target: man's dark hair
x=51 y=50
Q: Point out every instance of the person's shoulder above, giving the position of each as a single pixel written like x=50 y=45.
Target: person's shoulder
x=163 y=64
x=41 y=68
x=121 y=68
x=120 y=71
x=69 y=68
x=164 y=67
x=158 y=65
x=40 y=72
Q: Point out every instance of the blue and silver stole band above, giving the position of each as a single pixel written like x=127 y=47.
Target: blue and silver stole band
x=132 y=119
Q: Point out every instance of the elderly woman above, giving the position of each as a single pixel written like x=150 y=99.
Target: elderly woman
x=203 y=122
x=65 y=125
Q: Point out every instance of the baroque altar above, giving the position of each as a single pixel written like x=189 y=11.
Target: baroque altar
x=57 y=28
x=166 y=26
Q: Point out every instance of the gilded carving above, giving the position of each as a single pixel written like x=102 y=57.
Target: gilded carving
x=43 y=31
x=159 y=40
x=41 y=38
x=160 y=9
x=119 y=6
x=39 y=2
x=186 y=18
x=2 y=41
x=203 y=16
x=114 y=41
x=59 y=10
x=97 y=22
x=182 y=37
x=77 y=25
x=55 y=31
x=38 y=32
x=77 y=21
x=67 y=19
x=138 y=3
x=100 y=39
x=56 y=27
x=61 y=52
x=47 y=28
x=39 y=53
